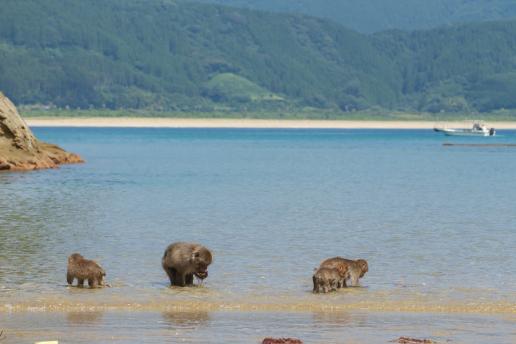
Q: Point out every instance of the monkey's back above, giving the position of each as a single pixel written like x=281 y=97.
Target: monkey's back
x=326 y=274
x=339 y=263
x=177 y=254
x=85 y=268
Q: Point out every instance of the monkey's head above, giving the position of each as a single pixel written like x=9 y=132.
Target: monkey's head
x=201 y=258
x=102 y=272
x=362 y=263
x=74 y=258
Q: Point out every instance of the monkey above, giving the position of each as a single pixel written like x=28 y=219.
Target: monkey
x=84 y=269
x=353 y=270
x=327 y=279
x=356 y=271
x=182 y=260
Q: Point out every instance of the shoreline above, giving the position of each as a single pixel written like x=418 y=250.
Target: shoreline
x=141 y=122
x=165 y=305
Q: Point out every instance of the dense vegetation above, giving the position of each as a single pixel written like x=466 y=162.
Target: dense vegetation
x=379 y=15
x=180 y=56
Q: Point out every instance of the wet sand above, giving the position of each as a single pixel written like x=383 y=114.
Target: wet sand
x=120 y=299
x=134 y=122
x=201 y=315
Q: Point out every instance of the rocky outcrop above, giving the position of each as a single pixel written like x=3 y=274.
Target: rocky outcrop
x=19 y=148
x=281 y=341
x=408 y=340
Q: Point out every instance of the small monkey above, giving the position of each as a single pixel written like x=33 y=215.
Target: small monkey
x=83 y=269
x=327 y=279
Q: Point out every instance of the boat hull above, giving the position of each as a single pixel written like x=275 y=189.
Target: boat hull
x=464 y=132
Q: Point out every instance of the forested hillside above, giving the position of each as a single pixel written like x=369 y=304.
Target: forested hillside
x=378 y=15
x=182 y=56
x=460 y=69
x=138 y=53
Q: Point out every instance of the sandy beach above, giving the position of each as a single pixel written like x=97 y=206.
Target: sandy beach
x=134 y=122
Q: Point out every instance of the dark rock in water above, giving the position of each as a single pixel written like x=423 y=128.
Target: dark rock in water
x=281 y=341
x=19 y=148
x=408 y=340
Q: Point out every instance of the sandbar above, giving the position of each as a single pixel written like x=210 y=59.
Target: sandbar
x=156 y=122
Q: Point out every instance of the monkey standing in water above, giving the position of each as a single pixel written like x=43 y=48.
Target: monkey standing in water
x=182 y=260
x=84 y=269
x=327 y=279
x=351 y=269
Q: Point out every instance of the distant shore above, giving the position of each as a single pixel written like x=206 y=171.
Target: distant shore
x=135 y=122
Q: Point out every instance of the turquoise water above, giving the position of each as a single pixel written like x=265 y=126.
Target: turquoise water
x=436 y=224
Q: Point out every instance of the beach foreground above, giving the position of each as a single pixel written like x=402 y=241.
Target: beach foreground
x=252 y=327
x=139 y=122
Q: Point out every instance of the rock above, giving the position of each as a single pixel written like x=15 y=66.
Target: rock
x=408 y=340
x=20 y=150
x=281 y=341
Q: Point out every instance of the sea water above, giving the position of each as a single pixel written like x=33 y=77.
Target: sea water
x=437 y=225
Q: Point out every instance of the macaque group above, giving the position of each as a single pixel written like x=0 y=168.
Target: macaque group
x=333 y=273
x=182 y=261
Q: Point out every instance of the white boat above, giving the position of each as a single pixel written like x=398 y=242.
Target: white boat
x=477 y=129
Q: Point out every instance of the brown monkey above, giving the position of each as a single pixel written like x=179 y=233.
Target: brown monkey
x=84 y=269
x=327 y=279
x=182 y=260
x=352 y=269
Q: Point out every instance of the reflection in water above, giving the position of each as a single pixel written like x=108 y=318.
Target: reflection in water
x=84 y=318
x=252 y=327
x=37 y=222
x=340 y=318
x=187 y=320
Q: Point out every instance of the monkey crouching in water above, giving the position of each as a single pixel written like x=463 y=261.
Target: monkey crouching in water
x=83 y=269
x=327 y=279
x=352 y=270
x=182 y=260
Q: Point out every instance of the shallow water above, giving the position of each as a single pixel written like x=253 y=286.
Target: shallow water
x=252 y=327
x=436 y=224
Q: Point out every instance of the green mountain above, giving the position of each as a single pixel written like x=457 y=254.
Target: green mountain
x=463 y=68
x=378 y=15
x=182 y=56
x=167 y=54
